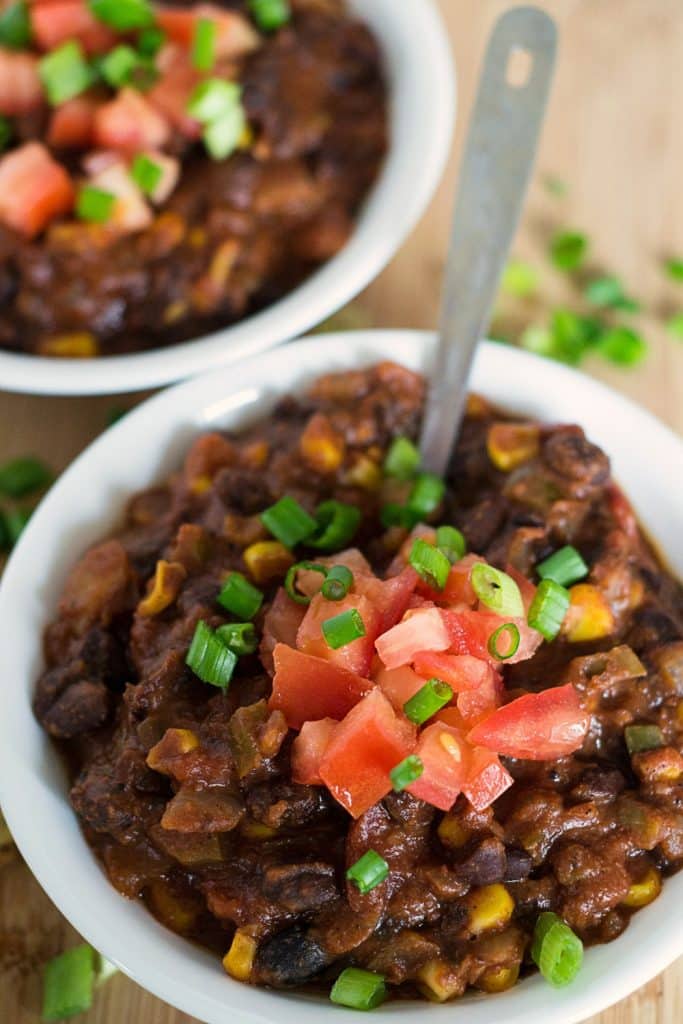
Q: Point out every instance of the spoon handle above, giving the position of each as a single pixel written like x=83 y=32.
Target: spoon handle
x=499 y=155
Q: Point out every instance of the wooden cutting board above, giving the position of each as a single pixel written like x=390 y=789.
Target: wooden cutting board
x=615 y=135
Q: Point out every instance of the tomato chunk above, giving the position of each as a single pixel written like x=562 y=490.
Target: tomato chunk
x=391 y=597
x=280 y=625
x=34 y=189
x=460 y=671
x=130 y=123
x=537 y=727
x=131 y=213
x=308 y=689
x=422 y=630
x=370 y=741
x=486 y=780
x=309 y=749
x=72 y=125
x=21 y=90
x=458 y=589
x=399 y=684
x=171 y=93
x=470 y=632
x=356 y=656
x=235 y=37
x=475 y=705
x=57 y=22
x=444 y=753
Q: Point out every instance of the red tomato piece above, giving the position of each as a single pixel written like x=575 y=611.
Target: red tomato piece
x=21 y=90
x=57 y=22
x=129 y=123
x=470 y=632
x=458 y=589
x=235 y=36
x=399 y=684
x=309 y=582
x=309 y=749
x=370 y=741
x=391 y=597
x=474 y=705
x=34 y=189
x=421 y=630
x=444 y=754
x=171 y=93
x=487 y=779
x=537 y=727
x=451 y=716
x=426 y=533
x=526 y=588
x=72 y=124
x=356 y=656
x=460 y=671
x=280 y=625
x=307 y=689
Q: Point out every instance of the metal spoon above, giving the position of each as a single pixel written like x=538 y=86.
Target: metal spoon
x=499 y=156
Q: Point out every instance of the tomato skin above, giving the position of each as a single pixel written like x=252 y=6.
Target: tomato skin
x=443 y=751
x=72 y=124
x=470 y=632
x=356 y=656
x=309 y=749
x=476 y=705
x=21 y=90
x=399 y=684
x=34 y=189
x=234 y=34
x=422 y=630
x=458 y=589
x=391 y=597
x=370 y=741
x=308 y=689
x=171 y=94
x=61 y=20
x=487 y=779
x=460 y=671
x=130 y=123
x=280 y=625
x=536 y=727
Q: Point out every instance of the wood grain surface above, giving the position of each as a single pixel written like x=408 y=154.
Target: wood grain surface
x=615 y=135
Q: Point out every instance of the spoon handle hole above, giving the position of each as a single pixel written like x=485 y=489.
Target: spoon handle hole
x=519 y=67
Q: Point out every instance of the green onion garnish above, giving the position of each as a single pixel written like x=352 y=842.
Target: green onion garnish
x=402 y=460
x=623 y=346
x=409 y=770
x=399 y=515
x=204 y=44
x=270 y=15
x=548 y=609
x=556 y=950
x=451 y=542
x=69 y=983
x=504 y=641
x=240 y=637
x=240 y=597
x=117 y=65
x=336 y=525
x=565 y=567
x=568 y=250
x=290 y=580
x=674 y=268
x=368 y=872
x=212 y=99
x=338 y=583
x=123 y=15
x=146 y=174
x=65 y=72
x=288 y=521
x=94 y=204
x=15 y=26
x=209 y=658
x=358 y=989
x=150 y=41
x=343 y=629
x=497 y=590
x=6 y=132
x=23 y=476
x=430 y=564
x=222 y=136
x=643 y=737
x=426 y=495
x=433 y=696
x=14 y=523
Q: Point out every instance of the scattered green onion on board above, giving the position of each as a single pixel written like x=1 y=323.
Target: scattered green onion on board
x=336 y=526
x=22 y=476
x=568 y=250
x=504 y=642
x=240 y=597
x=565 y=567
x=430 y=563
x=358 y=989
x=556 y=950
x=548 y=608
x=433 y=696
x=70 y=981
x=209 y=658
x=497 y=590
x=368 y=872
x=343 y=629
x=407 y=771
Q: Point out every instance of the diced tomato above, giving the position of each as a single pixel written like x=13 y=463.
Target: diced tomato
x=370 y=741
x=444 y=754
x=470 y=632
x=129 y=123
x=460 y=671
x=426 y=533
x=537 y=727
x=475 y=705
x=421 y=630
x=34 y=189
x=356 y=656
x=72 y=125
x=526 y=588
x=487 y=779
x=309 y=749
x=391 y=597
x=21 y=90
x=280 y=625
x=57 y=22
x=131 y=212
x=235 y=37
x=451 y=716
x=399 y=684
x=458 y=589
x=309 y=582
x=170 y=175
x=171 y=94
x=307 y=689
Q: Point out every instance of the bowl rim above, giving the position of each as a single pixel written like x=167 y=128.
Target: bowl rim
x=126 y=933
x=399 y=197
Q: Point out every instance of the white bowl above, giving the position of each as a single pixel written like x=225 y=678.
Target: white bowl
x=87 y=502
x=415 y=45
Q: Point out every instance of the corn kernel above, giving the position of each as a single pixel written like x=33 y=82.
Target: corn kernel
x=246 y=139
x=256 y=454
x=489 y=907
x=477 y=407
x=267 y=559
x=365 y=474
x=511 y=444
x=168 y=579
x=239 y=959
x=174 y=743
x=645 y=891
x=174 y=312
x=452 y=833
x=197 y=238
x=222 y=262
x=256 y=830
x=438 y=981
x=322 y=447
x=589 y=616
x=79 y=345
x=175 y=912
x=498 y=979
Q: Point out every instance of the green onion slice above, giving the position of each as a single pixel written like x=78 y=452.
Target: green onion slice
x=65 y=72
x=123 y=15
x=117 y=66
x=14 y=522
x=69 y=983
x=336 y=525
x=343 y=629
x=565 y=567
x=146 y=174
x=643 y=737
x=430 y=564
x=368 y=872
x=409 y=770
x=338 y=583
x=95 y=205
x=451 y=542
x=433 y=696
x=402 y=461
x=393 y=514
x=504 y=642
x=240 y=597
x=426 y=495
x=290 y=579
x=548 y=609
x=222 y=136
x=212 y=99
x=240 y=637
x=15 y=26
x=497 y=590
x=288 y=521
x=209 y=658
x=23 y=476
x=204 y=44
x=150 y=41
x=358 y=989
x=270 y=15
x=556 y=950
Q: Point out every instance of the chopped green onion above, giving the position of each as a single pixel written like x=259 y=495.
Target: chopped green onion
x=565 y=567
x=336 y=525
x=426 y=495
x=288 y=521
x=69 y=983
x=6 y=132
x=240 y=637
x=123 y=15
x=674 y=268
x=497 y=590
x=343 y=629
x=433 y=696
x=451 y=542
x=402 y=460
x=150 y=41
x=117 y=65
x=23 y=476
x=623 y=346
x=399 y=515
x=548 y=609
x=204 y=44
x=14 y=523
x=430 y=564
x=65 y=72
x=209 y=658
x=146 y=174
x=15 y=26
x=338 y=583
x=94 y=204
x=290 y=580
x=675 y=325
x=508 y=635
x=556 y=950
x=222 y=136
x=519 y=279
x=358 y=989
x=368 y=872
x=643 y=737
x=568 y=250
x=239 y=597
x=608 y=293
x=409 y=770
x=555 y=185
x=270 y=15
x=212 y=99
